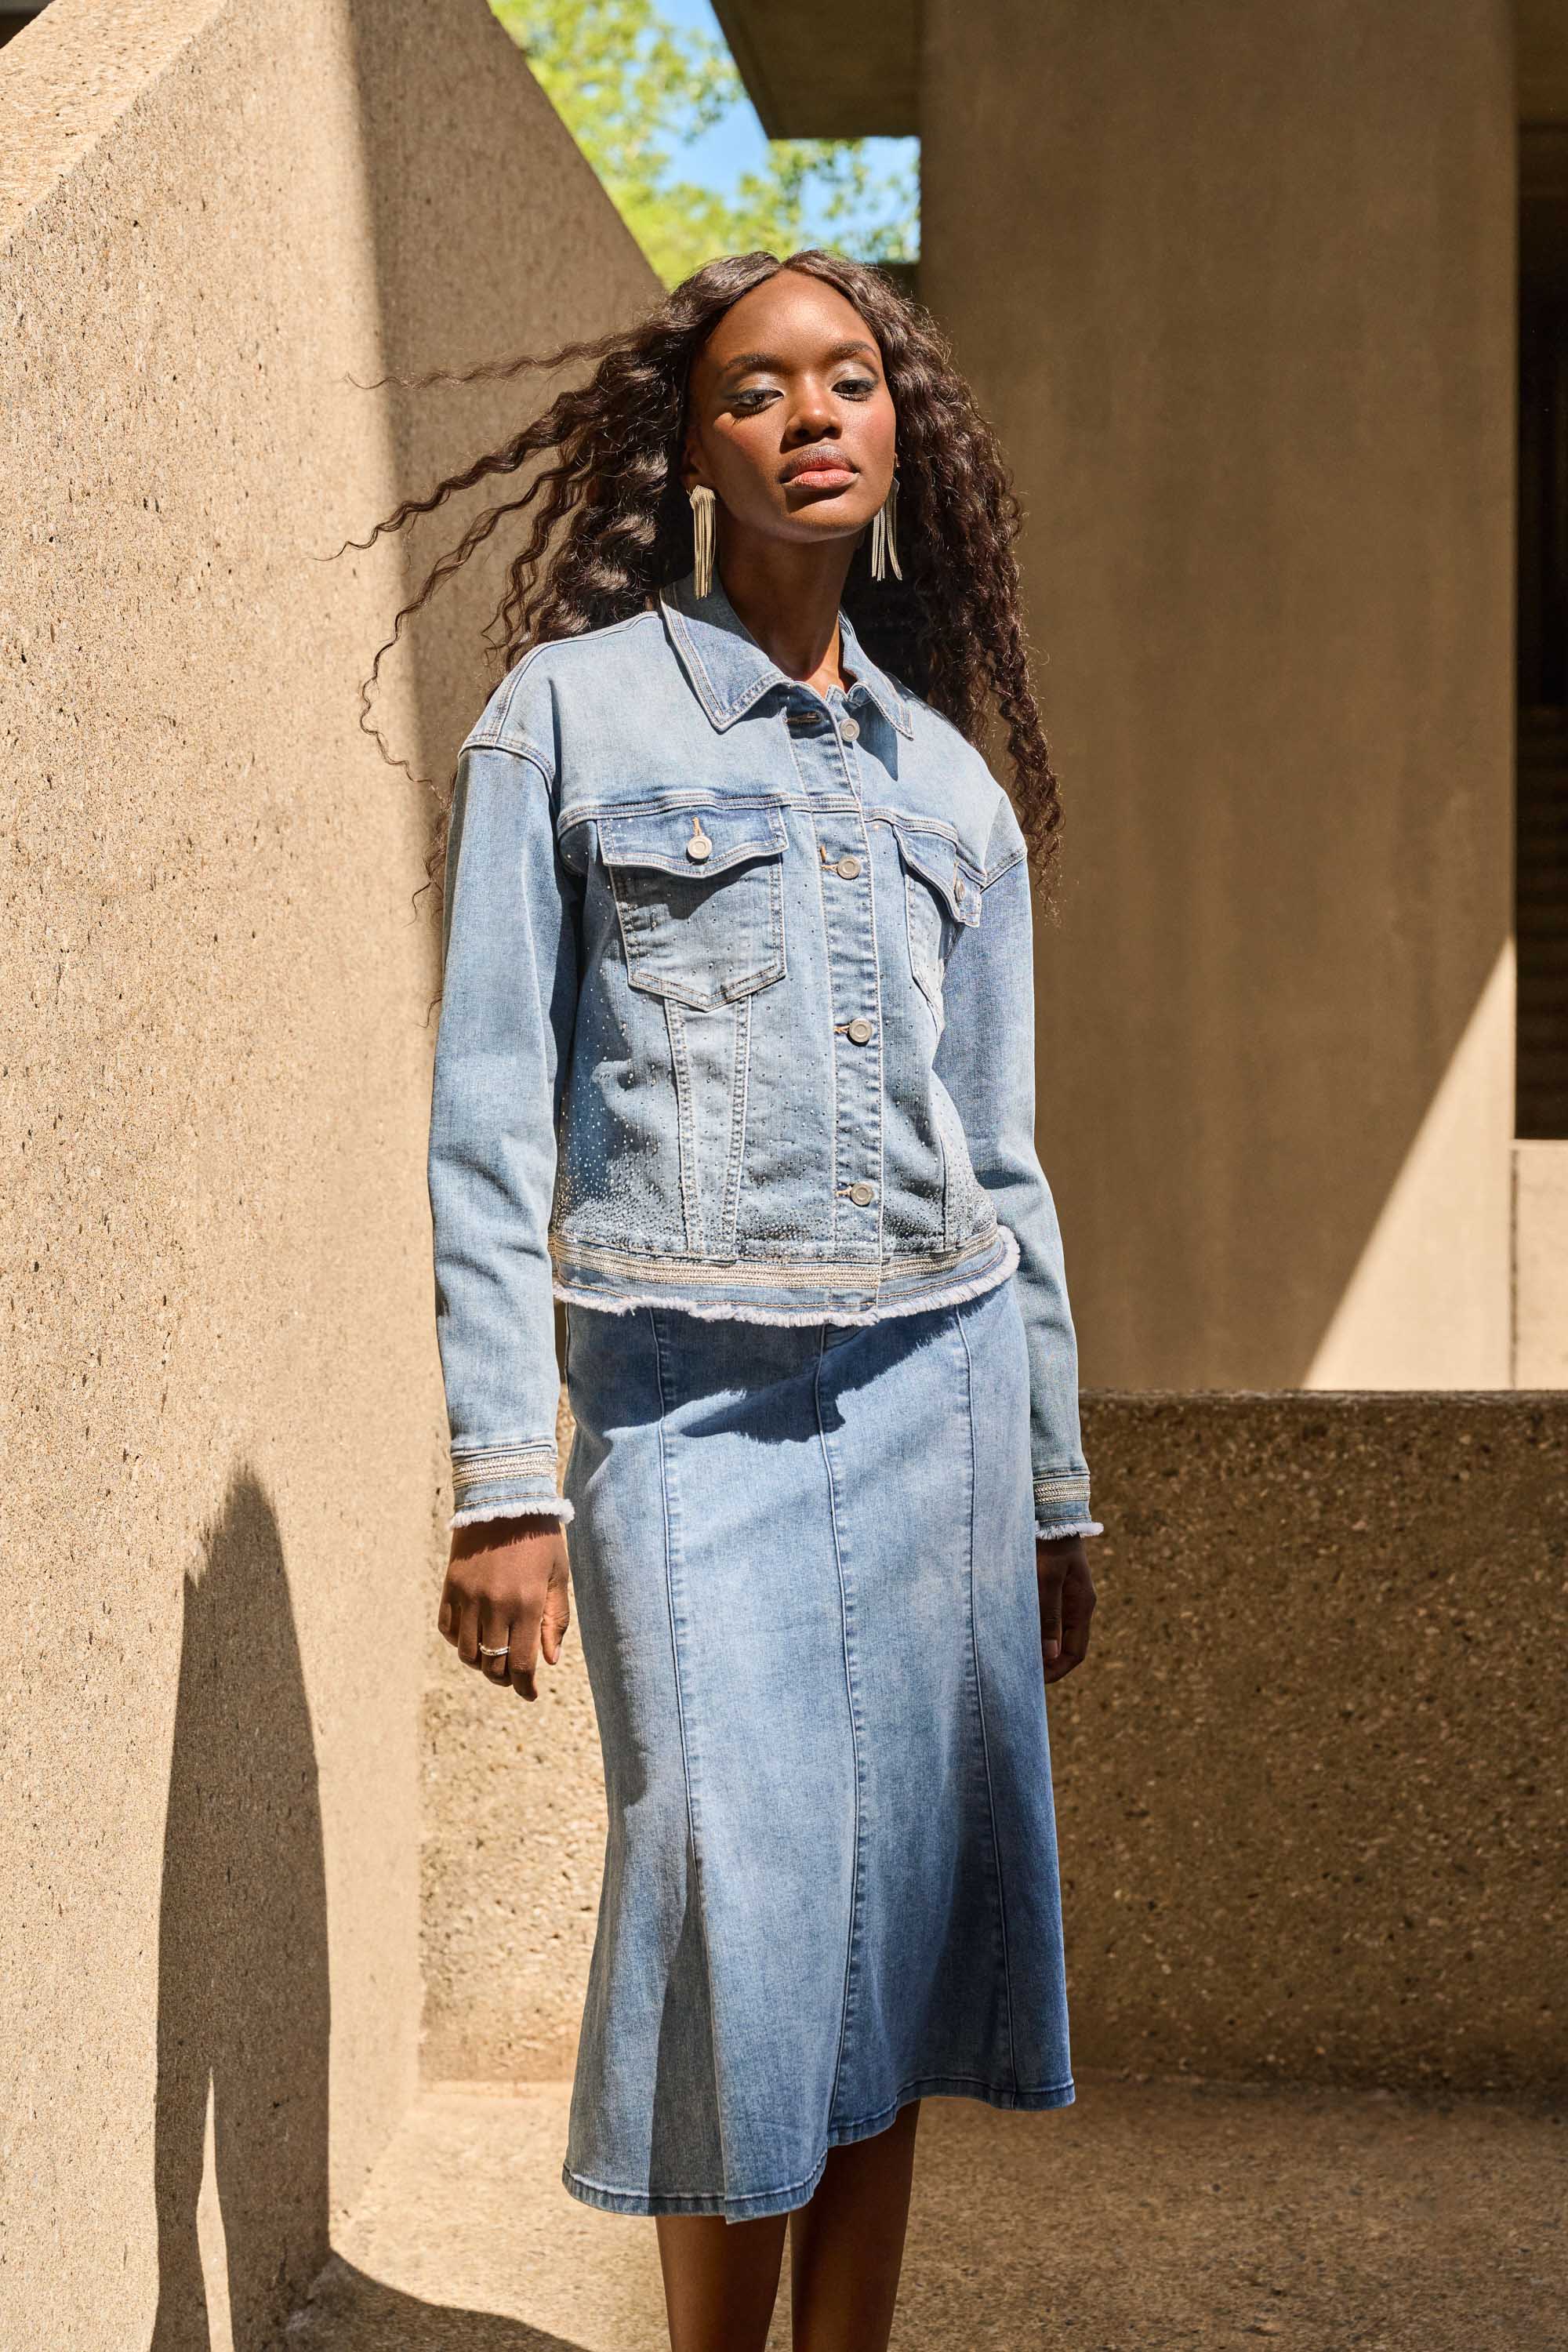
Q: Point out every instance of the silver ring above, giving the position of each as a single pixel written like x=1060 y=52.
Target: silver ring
x=501 y=1653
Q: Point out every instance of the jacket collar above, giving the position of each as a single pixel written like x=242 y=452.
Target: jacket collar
x=728 y=670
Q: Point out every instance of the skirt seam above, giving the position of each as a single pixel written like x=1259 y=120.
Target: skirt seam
x=691 y=1807
x=980 y=1711
x=855 y=1856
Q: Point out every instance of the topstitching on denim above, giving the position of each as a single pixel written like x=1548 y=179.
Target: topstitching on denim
x=856 y=1736
x=979 y=1688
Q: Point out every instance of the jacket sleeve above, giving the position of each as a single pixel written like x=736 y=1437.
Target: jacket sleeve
x=510 y=923
x=985 y=1059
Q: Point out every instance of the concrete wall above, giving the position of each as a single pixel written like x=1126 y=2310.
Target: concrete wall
x=1249 y=342
x=1310 y=1783
x=221 y=1514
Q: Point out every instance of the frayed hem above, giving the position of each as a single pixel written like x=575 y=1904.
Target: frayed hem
x=765 y=2201
x=529 y=1507
x=744 y=1310
x=1074 y=1527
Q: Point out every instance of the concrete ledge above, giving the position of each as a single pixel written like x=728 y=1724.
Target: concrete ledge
x=1311 y=1785
x=828 y=71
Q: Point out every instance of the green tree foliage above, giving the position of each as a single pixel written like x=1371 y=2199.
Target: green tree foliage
x=636 y=90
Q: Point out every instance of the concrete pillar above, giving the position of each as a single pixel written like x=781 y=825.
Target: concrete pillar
x=1235 y=283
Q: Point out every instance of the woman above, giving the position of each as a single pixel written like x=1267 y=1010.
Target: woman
x=736 y=1059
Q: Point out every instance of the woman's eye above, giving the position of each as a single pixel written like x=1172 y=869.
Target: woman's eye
x=856 y=387
x=746 y=403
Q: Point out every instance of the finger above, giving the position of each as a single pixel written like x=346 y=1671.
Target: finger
x=1051 y=1611
x=1078 y=1607
x=495 y=1634
x=556 y=1618
x=446 y=1614
x=525 y=1654
x=468 y=1632
x=1067 y=1658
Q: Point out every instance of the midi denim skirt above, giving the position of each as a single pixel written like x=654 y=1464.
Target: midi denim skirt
x=803 y=1562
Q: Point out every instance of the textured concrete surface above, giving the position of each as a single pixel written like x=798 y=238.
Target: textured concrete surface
x=828 y=68
x=1249 y=344
x=1312 y=1784
x=1143 y=2218
x=223 y=1435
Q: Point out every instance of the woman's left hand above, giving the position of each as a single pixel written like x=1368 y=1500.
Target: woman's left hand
x=1067 y=1604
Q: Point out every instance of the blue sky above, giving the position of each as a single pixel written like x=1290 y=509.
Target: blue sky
x=718 y=159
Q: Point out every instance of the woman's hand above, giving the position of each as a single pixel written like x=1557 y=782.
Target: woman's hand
x=507 y=1585
x=1067 y=1604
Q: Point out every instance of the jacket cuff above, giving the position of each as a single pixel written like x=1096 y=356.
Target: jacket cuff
x=499 y=1482
x=1061 y=1504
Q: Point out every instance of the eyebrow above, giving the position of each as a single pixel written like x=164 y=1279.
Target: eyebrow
x=770 y=361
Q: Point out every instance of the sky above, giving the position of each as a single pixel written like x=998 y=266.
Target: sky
x=718 y=159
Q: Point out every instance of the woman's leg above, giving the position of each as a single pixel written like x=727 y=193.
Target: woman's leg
x=847 y=2244
x=847 y=2247
x=721 y=2280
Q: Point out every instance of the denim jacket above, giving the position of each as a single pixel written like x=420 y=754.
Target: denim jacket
x=737 y=1017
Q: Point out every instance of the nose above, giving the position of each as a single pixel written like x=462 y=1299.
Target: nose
x=812 y=418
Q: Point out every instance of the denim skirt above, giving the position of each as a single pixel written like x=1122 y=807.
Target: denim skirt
x=802 y=1564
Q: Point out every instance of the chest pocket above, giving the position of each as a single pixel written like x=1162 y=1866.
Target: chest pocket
x=942 y=901
x=699 y=898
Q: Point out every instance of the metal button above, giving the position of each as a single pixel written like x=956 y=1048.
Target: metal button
x=957 y=885
x=849 y=868
x=698 y=846
x=859 y=1030
x=849 y=728
x=862 y=1193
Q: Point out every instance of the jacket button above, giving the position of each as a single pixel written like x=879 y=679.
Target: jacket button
x=862 y=1193
x=859 y=1030
x=849 y=728
x=848 y=868
x=698 y=846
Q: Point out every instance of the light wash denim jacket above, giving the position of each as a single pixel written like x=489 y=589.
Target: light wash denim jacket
x=737 y=1017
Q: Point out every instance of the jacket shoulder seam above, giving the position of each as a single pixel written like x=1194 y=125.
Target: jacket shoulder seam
x=1004 y=819
x=989 y=874
x=519 y=746
x=502 y=741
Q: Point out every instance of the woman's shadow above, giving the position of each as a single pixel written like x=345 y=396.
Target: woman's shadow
x=244 y=1985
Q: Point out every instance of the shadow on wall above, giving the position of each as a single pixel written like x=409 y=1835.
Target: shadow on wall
x=244 y=2000
x=243 y=1990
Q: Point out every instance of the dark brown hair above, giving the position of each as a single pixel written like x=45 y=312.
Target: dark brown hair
x=607 y=520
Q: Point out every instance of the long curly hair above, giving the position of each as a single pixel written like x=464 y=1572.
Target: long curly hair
x=608 y=522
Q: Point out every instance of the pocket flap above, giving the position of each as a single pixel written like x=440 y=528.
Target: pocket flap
x=935 y=858
x=691 y=840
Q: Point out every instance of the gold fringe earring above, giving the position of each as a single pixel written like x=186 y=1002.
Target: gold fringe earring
x=884 y=535
x=704 y=531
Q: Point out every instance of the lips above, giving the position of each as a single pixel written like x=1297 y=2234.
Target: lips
x=818 y=469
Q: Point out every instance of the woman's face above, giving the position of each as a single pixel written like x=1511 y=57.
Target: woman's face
x=790 y=421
